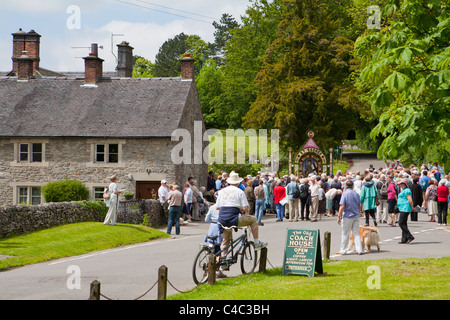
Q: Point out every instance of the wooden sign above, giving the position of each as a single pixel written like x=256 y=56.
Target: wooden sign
x=302 y=254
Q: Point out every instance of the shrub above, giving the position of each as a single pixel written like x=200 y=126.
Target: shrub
x=99 y=207
x=65 y=191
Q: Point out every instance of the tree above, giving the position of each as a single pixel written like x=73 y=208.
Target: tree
x=209 y=86
x=222 y=35
x=405 y=73
x=243 y=58
x=304 y=82
x=200 y=50
x=142 y=68
x=167 y=62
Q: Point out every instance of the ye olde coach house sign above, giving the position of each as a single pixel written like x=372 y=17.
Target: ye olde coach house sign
x=302 y=252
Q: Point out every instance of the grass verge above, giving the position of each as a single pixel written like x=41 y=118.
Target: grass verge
x=399 y=279
x=70 y=240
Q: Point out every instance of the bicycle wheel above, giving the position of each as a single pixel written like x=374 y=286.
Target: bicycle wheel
x=200 y=267
x=249 y=258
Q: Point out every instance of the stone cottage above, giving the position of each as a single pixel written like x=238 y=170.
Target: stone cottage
x=86 y=127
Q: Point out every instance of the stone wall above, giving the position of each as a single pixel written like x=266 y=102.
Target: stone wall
x=20 y=219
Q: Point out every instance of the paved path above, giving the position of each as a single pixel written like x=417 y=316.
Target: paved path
x=128 y=272
x=362 y=161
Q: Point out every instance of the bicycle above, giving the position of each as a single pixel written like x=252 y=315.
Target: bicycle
x=245 y=248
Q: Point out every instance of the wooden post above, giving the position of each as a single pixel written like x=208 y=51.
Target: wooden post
x=212 y=269
x=162 y=283
x=263 y=260
x=331 y=160
x=327 y=245
x=95 y=290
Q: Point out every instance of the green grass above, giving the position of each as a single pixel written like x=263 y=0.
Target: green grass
x=358 y=151
x=70 y=240
x=410 y=279
x=340 y=165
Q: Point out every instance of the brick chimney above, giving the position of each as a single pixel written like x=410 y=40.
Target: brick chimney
x=93 y=66
x=187 y=67
x=29 y=43
x=125 y=60
x=25 y=67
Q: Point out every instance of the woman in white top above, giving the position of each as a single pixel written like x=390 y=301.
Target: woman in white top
x=112 y=202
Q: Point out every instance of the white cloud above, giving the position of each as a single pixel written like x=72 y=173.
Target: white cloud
x=146 y=37
x=48 y=6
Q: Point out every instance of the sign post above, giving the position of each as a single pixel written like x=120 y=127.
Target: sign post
x=301 y=253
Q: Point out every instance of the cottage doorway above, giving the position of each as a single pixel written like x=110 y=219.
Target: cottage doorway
x=146 y=189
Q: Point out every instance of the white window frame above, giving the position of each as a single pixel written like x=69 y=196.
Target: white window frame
x=93 y=156
x=99 y=192
x=106 y=152
x=29 y=161
x=29 y=195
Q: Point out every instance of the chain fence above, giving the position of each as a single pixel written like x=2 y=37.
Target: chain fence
x=96 y=294
x=163 y=280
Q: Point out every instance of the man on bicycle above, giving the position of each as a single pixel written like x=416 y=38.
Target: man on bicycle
x=232 y=201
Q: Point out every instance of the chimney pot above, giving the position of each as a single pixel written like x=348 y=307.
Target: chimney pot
x=94 y=49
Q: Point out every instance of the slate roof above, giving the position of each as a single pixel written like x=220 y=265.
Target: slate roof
x=117 y=108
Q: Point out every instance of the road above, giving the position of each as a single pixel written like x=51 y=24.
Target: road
x=362 y=161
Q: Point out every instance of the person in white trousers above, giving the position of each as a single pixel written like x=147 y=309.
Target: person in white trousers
x=349 y=213
x=112 y=202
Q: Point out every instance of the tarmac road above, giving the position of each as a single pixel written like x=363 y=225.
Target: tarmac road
x=362 y=161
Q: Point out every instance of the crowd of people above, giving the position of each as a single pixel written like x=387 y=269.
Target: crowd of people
x=389 y=195
x=297 y=198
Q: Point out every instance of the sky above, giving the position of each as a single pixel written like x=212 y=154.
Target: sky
x=68 y=27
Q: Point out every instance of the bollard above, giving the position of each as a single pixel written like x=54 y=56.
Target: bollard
x=162 y=283
x=327 y=245
x=95 y=290
x=263 y=260
x=212 y=269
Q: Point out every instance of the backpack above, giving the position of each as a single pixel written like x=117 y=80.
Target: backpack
x=296 y=194
x=384 y=188
x=303 y=192
x=397 y=189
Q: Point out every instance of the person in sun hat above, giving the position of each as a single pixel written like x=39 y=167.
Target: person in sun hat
x=405 y=206
x=163 y=192
x=233 y=209
x=113 y=201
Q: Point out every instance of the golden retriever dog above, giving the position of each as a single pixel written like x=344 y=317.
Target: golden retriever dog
x=369 y=237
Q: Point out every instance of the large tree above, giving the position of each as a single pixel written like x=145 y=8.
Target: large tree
x=243 y=51
x=304 y=82
x=167 y=62
x=405 y=72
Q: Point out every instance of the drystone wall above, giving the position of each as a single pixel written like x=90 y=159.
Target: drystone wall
x=20 y=219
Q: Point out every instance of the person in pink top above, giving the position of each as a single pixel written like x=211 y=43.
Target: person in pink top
x=442 y=197
x=392 y=200
x=279 y=192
